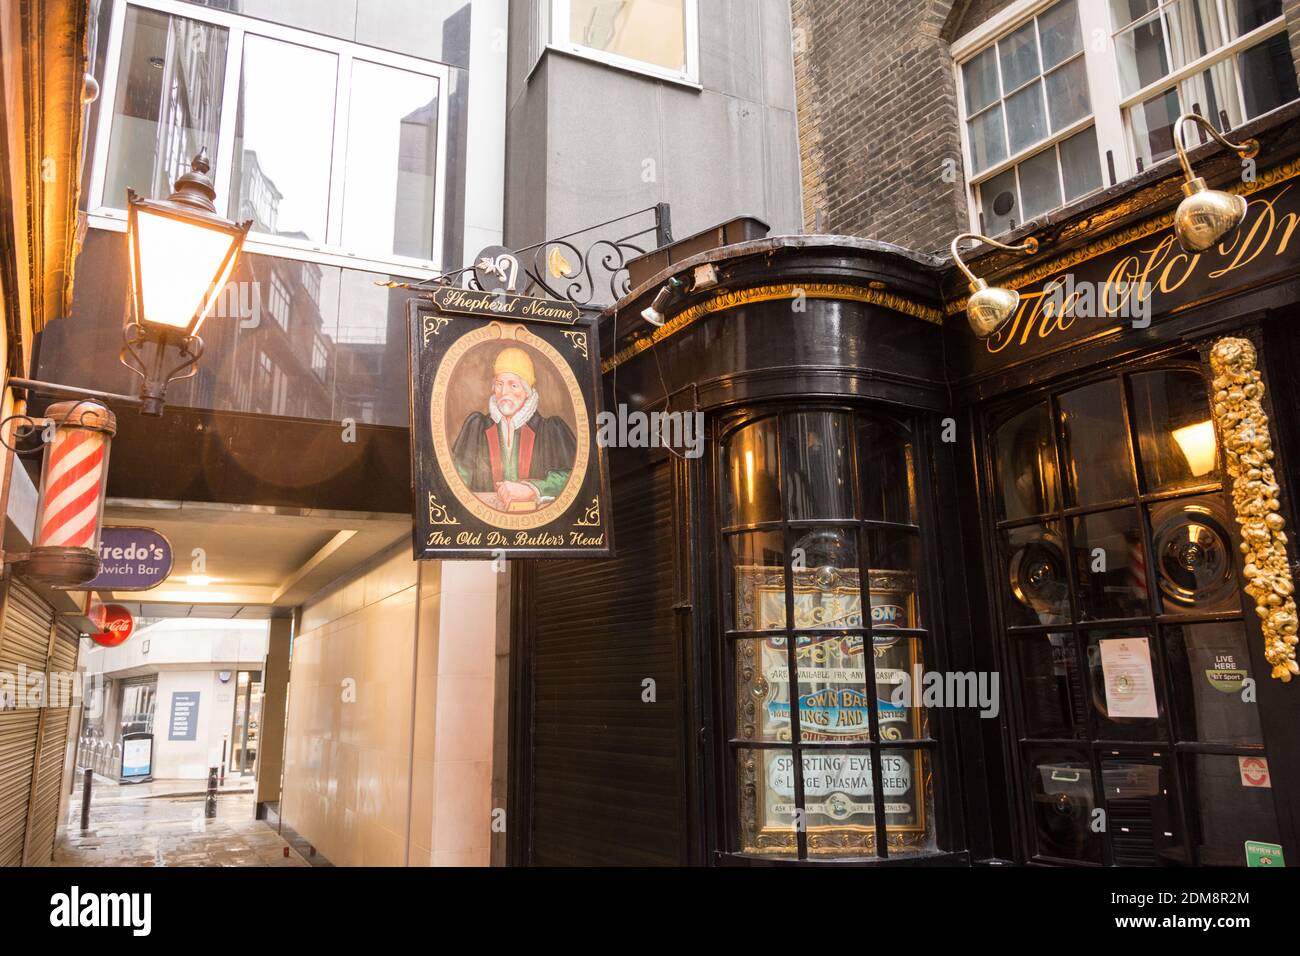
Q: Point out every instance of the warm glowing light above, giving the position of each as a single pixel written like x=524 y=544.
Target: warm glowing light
x=173 y=253
x=205 y=596
x=749 y=473
x=1198 y=447
x=198 y=580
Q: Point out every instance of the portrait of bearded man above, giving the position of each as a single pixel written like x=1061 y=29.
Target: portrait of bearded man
x=512 y=451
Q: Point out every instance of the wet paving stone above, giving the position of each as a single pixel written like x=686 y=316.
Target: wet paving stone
x=140 y=829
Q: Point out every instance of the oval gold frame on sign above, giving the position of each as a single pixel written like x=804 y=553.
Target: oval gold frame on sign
x=497 y=331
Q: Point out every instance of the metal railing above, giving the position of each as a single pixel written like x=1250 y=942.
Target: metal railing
x=101 y=755
x=577 y=266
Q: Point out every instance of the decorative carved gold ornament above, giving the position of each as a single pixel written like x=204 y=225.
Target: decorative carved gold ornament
x=578 y=340
x=433 y=325
x=1243 y=426
x=591 y=517
x=731 y=299
x=438 y=513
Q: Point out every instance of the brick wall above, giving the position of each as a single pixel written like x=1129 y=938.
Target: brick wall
x=976 y=12
x=877 y=120
x=1292 y=10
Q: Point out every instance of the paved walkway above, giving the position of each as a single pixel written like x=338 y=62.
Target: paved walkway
x=162 y=824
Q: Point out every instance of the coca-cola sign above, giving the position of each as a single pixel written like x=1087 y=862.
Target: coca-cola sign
x=115 y=625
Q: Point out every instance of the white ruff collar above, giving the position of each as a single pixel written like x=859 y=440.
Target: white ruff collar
x=515 y=422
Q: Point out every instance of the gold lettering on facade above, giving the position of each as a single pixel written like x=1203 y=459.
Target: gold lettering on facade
x=1268 y=230
x=1135 y=278
x=1165 y=286
x=1122 y=283
x=1049 y=311
x=1252 y=240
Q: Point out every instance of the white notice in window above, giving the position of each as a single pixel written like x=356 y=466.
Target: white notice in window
x=1126 y=668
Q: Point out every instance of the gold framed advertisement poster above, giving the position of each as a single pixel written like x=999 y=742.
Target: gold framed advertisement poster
x=833 y=708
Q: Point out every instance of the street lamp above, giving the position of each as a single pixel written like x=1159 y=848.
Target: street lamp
x=181 y=255
x=1206 y=216
x=989 y=307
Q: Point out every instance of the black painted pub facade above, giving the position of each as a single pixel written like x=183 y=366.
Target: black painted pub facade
x=1044 y=528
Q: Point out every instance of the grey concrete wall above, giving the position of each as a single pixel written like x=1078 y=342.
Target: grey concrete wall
x=587 y=142
x=275 y=694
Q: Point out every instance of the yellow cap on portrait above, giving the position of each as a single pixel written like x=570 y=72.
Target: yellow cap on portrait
x=515 y=360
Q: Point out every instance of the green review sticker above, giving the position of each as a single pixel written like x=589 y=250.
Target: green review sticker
x=1263 y=854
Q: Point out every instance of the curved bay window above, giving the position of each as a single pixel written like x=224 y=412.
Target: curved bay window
x=818 y=511
x=1123 y=618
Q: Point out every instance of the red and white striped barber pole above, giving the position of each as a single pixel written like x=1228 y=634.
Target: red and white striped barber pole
x=65 y=552
x=1138 y=566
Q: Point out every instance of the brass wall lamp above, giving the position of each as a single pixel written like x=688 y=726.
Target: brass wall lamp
x=990 y=307
x=1207 y=216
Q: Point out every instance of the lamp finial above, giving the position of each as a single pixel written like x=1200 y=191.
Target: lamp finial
x=195 y=187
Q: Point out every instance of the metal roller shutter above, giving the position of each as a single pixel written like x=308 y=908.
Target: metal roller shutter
x=66 y=648
x=45 y=797
x=26 y=637
x=50 y=763
x=33 y=740
x=606 y=776
x=24 y=643
x=17 y=754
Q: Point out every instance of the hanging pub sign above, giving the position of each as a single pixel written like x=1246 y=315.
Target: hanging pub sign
x=504 y=401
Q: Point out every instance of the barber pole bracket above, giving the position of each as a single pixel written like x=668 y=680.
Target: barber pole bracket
x=65 y=552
